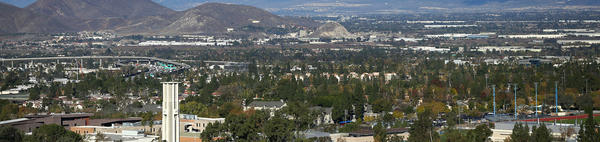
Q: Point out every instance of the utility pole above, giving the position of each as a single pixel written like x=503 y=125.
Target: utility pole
x=536 y=99
x=515 y=101
x=486 y=80
x=556 y=96
x=494 y=90
x=536 y=102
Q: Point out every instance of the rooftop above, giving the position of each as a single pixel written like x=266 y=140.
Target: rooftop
x=266 y=104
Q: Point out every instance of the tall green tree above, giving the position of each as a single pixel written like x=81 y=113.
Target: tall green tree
x=10 y=134
x=479 y=134
x=540 y=134
x=380 y=133
x=278 y=129
x=55 y=133
x=422 y=130
x=520 y=133
x=589 y=129
x=213 y=130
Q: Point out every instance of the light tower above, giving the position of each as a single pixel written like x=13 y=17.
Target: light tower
x=494 y=90
x=170 y=106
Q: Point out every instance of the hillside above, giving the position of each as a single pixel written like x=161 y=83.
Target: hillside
x=332 y=30
x=139 y=17
x=18 y=20
x=217 y=17
x=94 y=9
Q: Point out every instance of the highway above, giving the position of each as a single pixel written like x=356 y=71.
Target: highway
x=183 y=65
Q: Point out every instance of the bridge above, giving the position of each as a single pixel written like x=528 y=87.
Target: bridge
x=183 y=65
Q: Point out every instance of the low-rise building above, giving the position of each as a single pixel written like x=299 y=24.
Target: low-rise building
x=32 y=122
x=270 y=106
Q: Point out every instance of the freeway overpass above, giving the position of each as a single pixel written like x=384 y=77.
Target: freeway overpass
x=182 y=65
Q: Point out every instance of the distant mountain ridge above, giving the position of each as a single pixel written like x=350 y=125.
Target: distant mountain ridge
x=17 y=20
x=323 y=7
x=93 y=9
x=153 y=16
x=133 y=16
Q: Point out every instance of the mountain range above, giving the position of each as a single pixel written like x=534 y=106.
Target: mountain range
x=353 y=7
x=325 y=7
x=207 y=16
x=132 y=17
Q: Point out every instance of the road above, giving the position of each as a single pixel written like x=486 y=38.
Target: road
x=183 y=65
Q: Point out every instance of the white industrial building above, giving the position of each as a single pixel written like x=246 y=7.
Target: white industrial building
x=486 y=49
x=539 y=36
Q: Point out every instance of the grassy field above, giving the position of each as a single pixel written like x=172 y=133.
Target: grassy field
x=572 y=121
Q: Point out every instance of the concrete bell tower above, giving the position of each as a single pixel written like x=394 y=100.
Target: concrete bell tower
x=170 y=111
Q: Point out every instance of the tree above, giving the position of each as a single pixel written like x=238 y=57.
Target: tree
x=213 y=130
x=453 y=135
x=10 y=134
x=8 y=110
x=387 y=119
x=278 y=129
x=520 y=133
x=53 y=133
x=541 y=134
x=382 y=105
x=479 y=134
x=380 y=133
x=422 y=130
x=301 y=114
x=194 y=108
x=589 y=131
x=34 y=93
x=100 y=137
x=148 y=119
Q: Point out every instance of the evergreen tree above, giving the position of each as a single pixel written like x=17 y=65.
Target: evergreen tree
x=10 y=134
x=380 y=133
x=589 y=131
x=278 y=129
x=541 y=134
x=520 y=133
x=479 y=134
x=422 y=130
x=53 y=133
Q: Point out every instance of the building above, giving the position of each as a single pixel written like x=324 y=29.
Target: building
x=32 y=122
x=266 y=105
x=578 y=41
x=190 y=128
x=194 y=124
x=18 y=89
x=429 y=49
x=448 y=26
x=538 y=36
x=324 y=115
x=486 y=49
x=271 y=106
x=503 y=130
x=125 y=136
